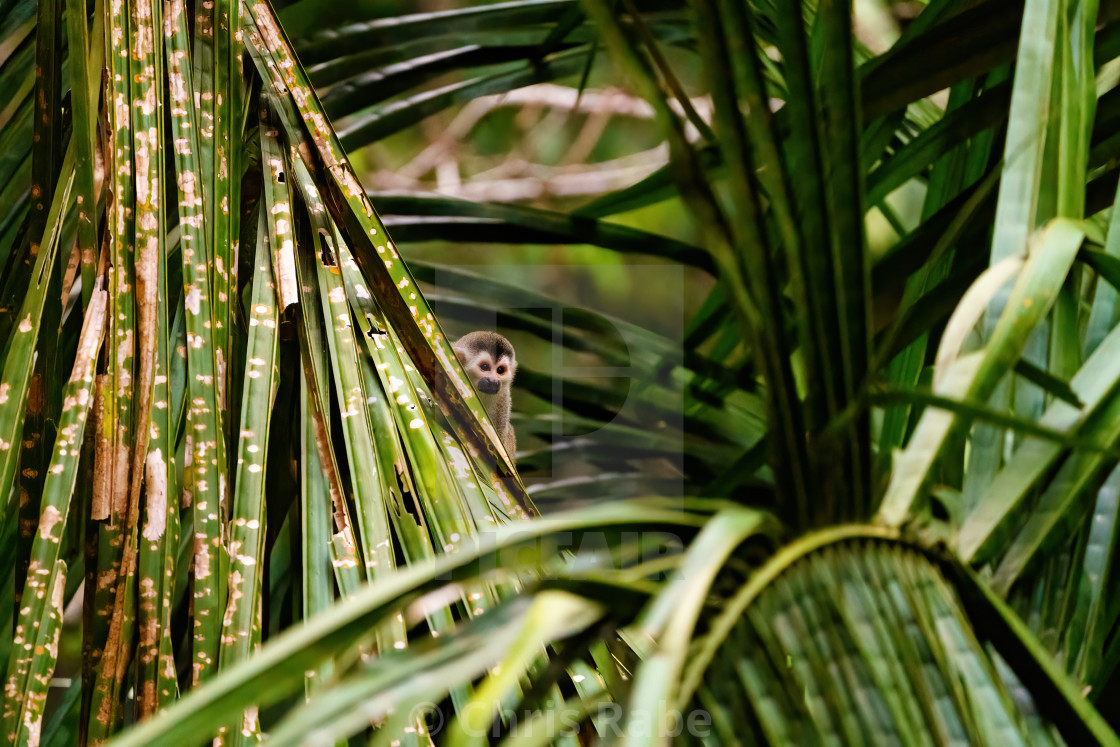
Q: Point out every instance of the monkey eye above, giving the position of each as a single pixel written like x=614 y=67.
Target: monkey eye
x=501 y=369
x=484 y=366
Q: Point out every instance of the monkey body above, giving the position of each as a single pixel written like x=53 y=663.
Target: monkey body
x=498 y=407
x=490 y=362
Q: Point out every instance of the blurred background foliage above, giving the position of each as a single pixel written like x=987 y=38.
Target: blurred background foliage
x=558 y=146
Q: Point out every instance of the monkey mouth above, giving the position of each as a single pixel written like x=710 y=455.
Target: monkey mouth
x=488 y=386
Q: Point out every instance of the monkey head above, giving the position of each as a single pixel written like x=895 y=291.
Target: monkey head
x=488 y=359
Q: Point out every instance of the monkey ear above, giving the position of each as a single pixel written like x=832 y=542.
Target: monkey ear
x=460 y=354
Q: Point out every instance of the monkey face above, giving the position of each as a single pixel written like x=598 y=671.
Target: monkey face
x=489 y=368
x=488 y=375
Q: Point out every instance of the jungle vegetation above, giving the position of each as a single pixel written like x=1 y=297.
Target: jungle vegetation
x=866 y=492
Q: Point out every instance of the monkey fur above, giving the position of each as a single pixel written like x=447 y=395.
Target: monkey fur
x=490 y=362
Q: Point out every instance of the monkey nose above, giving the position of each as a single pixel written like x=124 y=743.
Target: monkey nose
x=489 y=386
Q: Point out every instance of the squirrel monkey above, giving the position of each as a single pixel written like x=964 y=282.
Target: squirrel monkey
x=490 y=362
